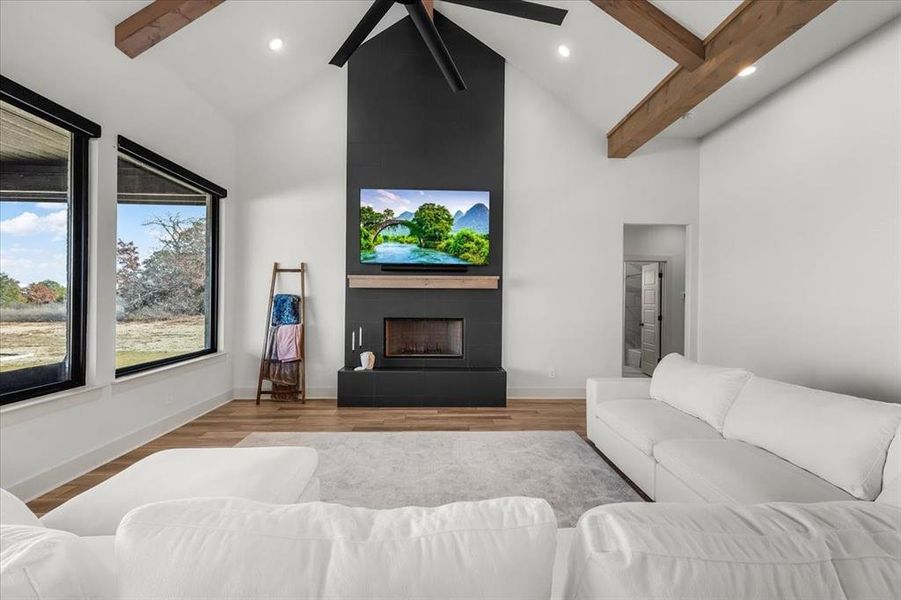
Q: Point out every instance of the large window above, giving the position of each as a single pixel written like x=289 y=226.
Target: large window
x=43 y=242
x=167 y=249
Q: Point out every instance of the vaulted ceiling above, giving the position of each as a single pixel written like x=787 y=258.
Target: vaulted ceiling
x=224 y=56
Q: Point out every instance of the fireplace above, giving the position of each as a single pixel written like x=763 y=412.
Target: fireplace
x=423 y=338
x=450 y=352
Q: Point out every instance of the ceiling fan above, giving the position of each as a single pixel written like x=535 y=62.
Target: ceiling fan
x=429 y=33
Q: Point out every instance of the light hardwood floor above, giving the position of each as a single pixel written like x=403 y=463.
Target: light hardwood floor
x=229 y=424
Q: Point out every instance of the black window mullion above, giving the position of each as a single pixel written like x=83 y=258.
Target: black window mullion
x=213 y=224
x=78 y=263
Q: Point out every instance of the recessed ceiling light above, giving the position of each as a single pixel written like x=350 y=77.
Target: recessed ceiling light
x=749 y=70
x=563 y=50
x=275 y=44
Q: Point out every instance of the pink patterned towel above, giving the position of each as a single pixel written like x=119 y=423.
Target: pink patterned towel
x=288 y=340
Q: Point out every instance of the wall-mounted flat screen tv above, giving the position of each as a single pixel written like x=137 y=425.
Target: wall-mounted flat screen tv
x=424 y=227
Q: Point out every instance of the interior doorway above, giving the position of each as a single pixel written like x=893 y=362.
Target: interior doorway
x=653 y=296
x=643 y=317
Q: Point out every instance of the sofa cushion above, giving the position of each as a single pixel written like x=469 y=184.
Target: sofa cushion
x=42 y=563
x=835 y=550
x=734 y=472
x=276 y=475
x=233 y=548
x=646 y=422
x=561 y=560
x=891 y=474
x=841 y=438
x=703 y=391
x=669 y=488
x=14 y=512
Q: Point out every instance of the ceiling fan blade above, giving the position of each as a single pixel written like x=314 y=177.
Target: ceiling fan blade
x=436 y=45
x=363 y=28
x=518 y=8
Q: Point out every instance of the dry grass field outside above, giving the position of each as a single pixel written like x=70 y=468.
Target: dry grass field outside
x=30 y=344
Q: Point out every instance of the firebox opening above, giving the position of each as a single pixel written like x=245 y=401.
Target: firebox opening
x=423 y=338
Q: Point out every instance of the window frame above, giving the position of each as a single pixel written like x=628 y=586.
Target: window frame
x=151 y=159
x=82 y=130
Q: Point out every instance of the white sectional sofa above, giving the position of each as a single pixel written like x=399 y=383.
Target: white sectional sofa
x=232 y=548
x=697 y=433
x=716 y=441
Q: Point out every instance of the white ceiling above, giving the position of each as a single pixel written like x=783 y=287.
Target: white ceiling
x=224 y=56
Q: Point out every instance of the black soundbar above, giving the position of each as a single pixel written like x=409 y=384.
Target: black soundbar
x=427 y=268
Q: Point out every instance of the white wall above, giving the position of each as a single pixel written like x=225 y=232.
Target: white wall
x=64 y=50
x=292 y=167
x=800 y=233
x=659 y=241
x=565 y=206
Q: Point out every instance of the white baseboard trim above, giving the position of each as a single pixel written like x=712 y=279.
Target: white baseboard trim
x=537 y=393
x=546 y=393
x=51 y=478
x=313 y=393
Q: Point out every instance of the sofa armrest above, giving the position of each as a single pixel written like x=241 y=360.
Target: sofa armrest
x=601 y=389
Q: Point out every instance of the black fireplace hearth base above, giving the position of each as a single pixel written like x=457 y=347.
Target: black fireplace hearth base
x=422 y=387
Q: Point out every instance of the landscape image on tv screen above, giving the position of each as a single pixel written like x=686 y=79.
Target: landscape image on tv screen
x=424 y=227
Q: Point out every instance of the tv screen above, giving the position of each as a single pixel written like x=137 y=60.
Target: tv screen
x=424 y=227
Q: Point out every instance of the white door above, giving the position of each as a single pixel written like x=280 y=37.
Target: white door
x=651 y=317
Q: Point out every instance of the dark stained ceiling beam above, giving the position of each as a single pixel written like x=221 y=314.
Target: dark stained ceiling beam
x=157 y=21
x=752 y=30
x=658 y=29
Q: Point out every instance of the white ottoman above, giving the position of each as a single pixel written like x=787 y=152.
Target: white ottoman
x=279 y=475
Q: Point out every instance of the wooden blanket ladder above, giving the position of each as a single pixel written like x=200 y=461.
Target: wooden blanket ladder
x=287 y=380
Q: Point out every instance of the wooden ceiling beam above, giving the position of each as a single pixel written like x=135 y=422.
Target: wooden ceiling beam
x=752 y=30
x=157 y=21
x=658 y=29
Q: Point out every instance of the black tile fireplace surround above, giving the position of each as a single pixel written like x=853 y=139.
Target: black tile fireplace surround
x=471 y=377
x=406 y=130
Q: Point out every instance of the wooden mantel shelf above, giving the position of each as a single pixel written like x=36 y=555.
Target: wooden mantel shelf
x=425 y=282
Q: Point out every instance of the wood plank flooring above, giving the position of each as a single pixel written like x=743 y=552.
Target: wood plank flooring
x=232 y=422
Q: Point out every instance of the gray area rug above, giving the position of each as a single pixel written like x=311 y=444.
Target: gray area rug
x=430 y=468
